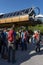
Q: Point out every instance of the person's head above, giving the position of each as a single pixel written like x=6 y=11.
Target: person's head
x=39 y=31
x=4 y=30
x=12 y=28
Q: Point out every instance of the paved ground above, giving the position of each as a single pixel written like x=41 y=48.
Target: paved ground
x=29 y=57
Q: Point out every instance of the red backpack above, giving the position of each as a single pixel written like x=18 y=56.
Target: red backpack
x=11 y=35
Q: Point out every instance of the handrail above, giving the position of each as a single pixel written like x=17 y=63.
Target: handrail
x=33 y=8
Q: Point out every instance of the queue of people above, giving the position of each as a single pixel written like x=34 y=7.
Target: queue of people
x=10 y=41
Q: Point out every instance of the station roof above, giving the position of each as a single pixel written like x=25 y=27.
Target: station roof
x=17 y=13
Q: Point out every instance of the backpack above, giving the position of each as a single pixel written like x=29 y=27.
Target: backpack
x=11 y=35
x=25 y=35
x=3 y=36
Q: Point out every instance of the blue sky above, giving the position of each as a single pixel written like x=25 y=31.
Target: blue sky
x=14 y=5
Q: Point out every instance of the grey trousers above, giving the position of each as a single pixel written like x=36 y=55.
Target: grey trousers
x=11 y=52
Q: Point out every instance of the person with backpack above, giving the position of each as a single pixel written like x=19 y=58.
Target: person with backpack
x=0 y=43
x=23 y=40
x=4 y=44
x=37 y=39
x=11 y=45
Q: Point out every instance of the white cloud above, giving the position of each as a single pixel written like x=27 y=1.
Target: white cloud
x=1 y=13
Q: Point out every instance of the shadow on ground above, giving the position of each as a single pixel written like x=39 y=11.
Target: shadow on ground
x=22 y=56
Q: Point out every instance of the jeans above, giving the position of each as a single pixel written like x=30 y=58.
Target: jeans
x=4 y=49
x=24 y=45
